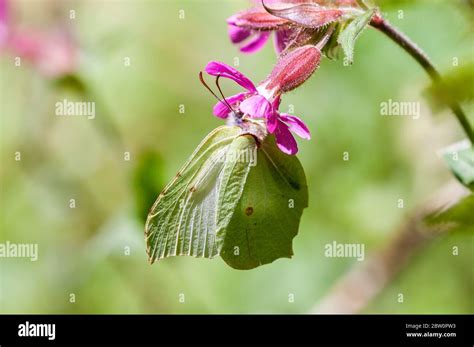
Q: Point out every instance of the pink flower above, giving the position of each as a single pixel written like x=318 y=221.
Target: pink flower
x=249 y=102
x=263 y=102
x=251 y=29
x=294 y=22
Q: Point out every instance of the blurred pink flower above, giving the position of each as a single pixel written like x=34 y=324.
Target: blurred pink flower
x=53 y=53
x=3 y=23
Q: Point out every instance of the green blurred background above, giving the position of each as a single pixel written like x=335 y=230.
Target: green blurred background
x=84 y=251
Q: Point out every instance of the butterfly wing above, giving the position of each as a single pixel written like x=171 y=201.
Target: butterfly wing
x=268 y=214
x=200 y=200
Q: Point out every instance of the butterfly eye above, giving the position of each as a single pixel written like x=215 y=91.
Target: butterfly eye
x=238 y=113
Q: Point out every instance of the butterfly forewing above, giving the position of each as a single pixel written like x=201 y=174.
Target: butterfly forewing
x=196 y=204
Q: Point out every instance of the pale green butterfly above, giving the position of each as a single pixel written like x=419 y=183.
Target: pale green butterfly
x=238 y=196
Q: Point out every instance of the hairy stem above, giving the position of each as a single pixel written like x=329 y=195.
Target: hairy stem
x=411 y=48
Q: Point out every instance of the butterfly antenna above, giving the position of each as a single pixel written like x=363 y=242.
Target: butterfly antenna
x=222 y=94
x=210 y=91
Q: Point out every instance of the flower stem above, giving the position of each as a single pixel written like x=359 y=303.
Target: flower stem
x=411 y=48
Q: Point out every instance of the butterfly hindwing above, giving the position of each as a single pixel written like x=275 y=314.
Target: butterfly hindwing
x=267 y=217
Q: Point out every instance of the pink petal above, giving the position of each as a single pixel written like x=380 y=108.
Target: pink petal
x=285 y=140
x=216 y=68
x=276 y=103
x=296 y=125
x=256 y=106
x=238 y=34
x=221 y=110
x=257 y=43
x=272 y=122
x=232 y=19
x=282 y=39
x=272 y=117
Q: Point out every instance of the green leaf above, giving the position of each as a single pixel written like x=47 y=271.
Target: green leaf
x=201 y=198
x=350 y=34
x=459 y=217
x=460 y=159
x=268 y=214
x=333 y=49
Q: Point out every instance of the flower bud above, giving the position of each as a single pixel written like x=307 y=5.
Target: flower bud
x=293 y=68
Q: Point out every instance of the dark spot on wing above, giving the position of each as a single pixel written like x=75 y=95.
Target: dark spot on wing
x=249 y=210
x=192 y=189
x=294 y=184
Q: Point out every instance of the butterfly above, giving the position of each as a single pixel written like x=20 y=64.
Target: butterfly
x=238 y=196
